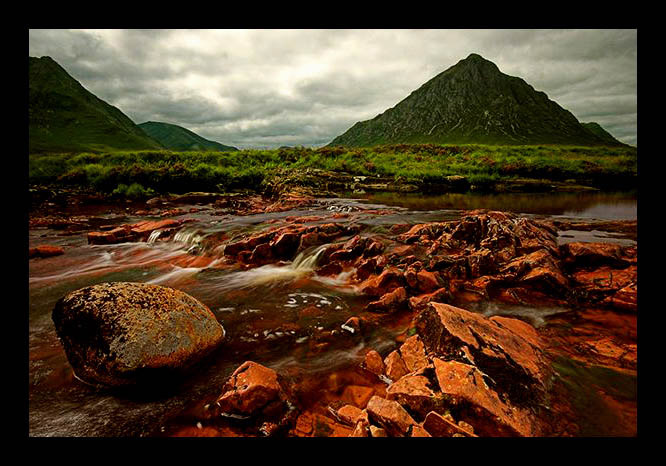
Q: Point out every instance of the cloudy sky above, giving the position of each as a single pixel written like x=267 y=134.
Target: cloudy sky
x=267 y=88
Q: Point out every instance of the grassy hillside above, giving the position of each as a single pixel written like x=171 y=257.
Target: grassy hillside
x=165 y=171
x=65 y=117
x=177 y=138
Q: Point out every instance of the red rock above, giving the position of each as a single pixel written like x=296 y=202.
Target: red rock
x=330 y=269
x=360 y=429
x=439 y=426
x=509 y=352
x=373 y=249
x=538 y=270
x=427 y=281
x=311 y=424
x=349 y=414
x=366 y=268
x=440 y=295
x=373 y=362
x=285 y=245
x=144 y=229
x=464 y=385
x=412 y=391
x=625 y=299
x=418 y=431
x=579 y=254
x=45 y=251
x=395 y=366
x=389 y=302
x=358 y=395
x=250 y=388
x=390 y=415
x=413 y=354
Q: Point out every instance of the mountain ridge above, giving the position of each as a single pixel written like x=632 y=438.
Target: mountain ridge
x=178 y=138
x=472 y=102
x=65 y=117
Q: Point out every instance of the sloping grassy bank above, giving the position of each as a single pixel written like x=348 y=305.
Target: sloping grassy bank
x=147 y=172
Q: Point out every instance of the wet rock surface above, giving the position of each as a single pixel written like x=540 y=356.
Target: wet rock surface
x=123 y=333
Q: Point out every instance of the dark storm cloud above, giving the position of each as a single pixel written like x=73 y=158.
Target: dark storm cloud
x=266 y=88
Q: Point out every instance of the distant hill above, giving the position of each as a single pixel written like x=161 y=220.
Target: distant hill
x=472 y=102
x=177 y=138
x=597 y=130
x=65 y=117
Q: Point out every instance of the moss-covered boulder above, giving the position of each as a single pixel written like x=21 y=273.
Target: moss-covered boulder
x=122 y=333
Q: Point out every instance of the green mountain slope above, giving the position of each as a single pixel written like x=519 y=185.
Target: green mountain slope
x=177 y=138
x=472 y=103
x=597 y=130
x=65 y=117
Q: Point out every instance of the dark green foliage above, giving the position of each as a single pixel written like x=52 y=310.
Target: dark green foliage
x=176 y=138
x=473 y=103
x=65 y=117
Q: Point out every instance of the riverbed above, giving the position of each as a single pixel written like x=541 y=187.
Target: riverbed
x=283 y=316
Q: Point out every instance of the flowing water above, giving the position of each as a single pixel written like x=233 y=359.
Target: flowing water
x=283 y=316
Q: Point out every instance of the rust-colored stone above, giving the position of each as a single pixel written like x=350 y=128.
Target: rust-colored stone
x=440 y=426
x=250 y=388
x=395 y=366
x=464 y=384
x=390 y=415
x=373 y=362
x=413 y=354
x=509 y=352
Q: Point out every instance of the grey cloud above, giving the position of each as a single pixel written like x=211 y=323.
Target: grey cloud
x=275 y=87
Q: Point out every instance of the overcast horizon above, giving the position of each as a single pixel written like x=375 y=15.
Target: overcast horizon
x=269 y=88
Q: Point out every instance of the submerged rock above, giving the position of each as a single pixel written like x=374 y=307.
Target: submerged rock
x=45 y=251
x=122 y=333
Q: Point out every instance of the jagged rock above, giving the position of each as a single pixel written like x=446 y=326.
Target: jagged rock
x=440 y=426
x=251 y=388
x=389 y=302
x=374 y=363
x=507 y=350
x=390 y=415
x=414 y=392
x=578 y=254
x=466 y=389
x=121 y=333
x=413 y=354
x=395 y=366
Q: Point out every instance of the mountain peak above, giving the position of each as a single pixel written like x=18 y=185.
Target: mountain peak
x=472 y=102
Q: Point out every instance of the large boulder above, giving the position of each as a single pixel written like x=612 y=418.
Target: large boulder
x=122 y=333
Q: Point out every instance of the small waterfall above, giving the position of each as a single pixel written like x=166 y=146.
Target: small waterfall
x=191 y=237
x=153 y=236
x=270 y=274
x=307 y=262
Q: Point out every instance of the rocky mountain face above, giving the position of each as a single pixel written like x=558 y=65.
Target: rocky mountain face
x=65 y=117
x=472 y=102
x=177 y=138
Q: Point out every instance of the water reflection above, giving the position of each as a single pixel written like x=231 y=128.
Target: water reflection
x=603 y=206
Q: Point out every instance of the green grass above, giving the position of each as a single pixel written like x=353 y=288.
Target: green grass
x=166 y=171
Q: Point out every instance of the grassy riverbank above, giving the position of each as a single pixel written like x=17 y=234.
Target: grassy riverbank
x=139 y=173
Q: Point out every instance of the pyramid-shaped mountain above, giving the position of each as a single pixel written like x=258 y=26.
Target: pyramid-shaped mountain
x=177 y=138
x=65 y=117
x=472 y=102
